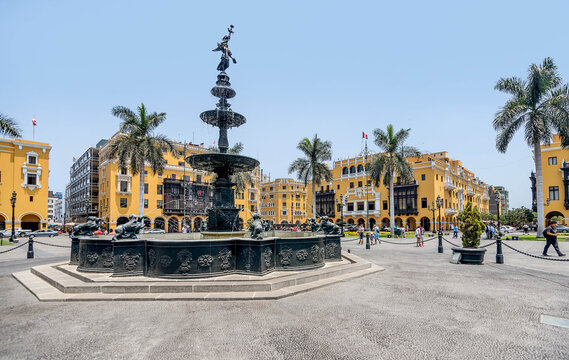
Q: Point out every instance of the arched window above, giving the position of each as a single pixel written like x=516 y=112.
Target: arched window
x=360 y=168
x=352 y=169
x=345 y=171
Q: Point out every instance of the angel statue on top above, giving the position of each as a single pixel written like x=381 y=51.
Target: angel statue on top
x=225 y=52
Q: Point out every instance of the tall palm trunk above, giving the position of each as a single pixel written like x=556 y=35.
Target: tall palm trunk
x=539 y=189
x=141 y=191
x=391 y=206
x=313 y=198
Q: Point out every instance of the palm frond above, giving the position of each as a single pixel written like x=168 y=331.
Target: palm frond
x=9 y=127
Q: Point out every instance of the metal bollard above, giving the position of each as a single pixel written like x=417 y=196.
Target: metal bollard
x=31 y=247
x=367 y=242
x=499 y=255
x=440 y=242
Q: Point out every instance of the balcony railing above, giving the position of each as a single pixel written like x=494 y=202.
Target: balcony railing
x=449 y=211
x=449 y=185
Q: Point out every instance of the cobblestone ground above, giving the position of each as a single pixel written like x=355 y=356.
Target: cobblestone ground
x=420 y=307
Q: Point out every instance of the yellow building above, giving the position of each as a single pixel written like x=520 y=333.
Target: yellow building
x=555 y=170
x=435 y=175
x=24 y=168
x=178 y=193
x=284 y=201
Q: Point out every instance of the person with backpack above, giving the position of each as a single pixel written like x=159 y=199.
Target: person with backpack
x=420 y=233
x=551 y=237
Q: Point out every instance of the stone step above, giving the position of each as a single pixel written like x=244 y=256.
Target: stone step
x=45 y=292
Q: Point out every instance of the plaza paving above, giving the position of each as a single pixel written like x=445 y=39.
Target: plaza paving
x=420 y=307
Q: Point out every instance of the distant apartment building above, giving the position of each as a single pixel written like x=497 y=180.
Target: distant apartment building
x=284 y=201
x=82 y=195
x=52 y=200
x=504 y=200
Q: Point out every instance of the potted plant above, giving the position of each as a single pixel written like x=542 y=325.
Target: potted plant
x=471 y=227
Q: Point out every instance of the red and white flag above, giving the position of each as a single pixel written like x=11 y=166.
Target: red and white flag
x=364 y=135
x=34 y=121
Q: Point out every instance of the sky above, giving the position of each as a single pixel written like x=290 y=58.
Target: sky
x=330 y=68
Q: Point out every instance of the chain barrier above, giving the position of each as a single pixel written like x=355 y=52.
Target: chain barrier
x=54 y=245
x=405 y=243
x=453 y=244
x=480 y=247
x=534 y=256
x=14 y=248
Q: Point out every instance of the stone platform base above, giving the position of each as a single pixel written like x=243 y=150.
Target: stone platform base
x=62 y=282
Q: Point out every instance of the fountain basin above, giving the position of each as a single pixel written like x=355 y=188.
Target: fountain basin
x=206 y=257
x=222 y=163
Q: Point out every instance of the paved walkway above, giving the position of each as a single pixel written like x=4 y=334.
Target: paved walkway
x=421 y=307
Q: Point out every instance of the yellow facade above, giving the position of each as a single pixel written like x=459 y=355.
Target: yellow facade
x=435 y=175
x=279 y=197
x=555 y=197
x=24 y=168
x=111 y=178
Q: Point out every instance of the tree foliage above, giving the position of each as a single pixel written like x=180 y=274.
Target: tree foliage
x=313 y=166
x=9 y=127
x=471 y=226
x=518 y=217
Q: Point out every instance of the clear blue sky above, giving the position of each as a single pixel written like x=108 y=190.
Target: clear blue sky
x=304 y=67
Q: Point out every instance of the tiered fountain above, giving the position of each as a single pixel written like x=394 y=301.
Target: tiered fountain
x=223 y=217
x=222 y=249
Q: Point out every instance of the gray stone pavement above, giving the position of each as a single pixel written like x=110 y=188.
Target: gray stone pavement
x=420 y=307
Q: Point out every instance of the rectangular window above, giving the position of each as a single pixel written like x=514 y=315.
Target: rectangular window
x=351 y=185
x=31 y=198
x=369 y=183
x=284 y=203
x=123 y=186
x=146 y=203
x=271 y=188
x=252 y=208
x=384 y=204
x=338 y=187
x=173 y=176
x=554 y=193
x=350 y=206
x=252 y=196
x=123 y=203
x=123 y=171
x=146 y=188
x=437 y=176
x=186 y=178
x=145 y=172
x=371 y=205
x=32 y=179
x=271 y=196
x=181 y=163
x=32 y=160
x=159 y=189
x=552 y=160
x=159 y=173
x=159 y=204
x=359 y=184
x=284 y=187
x=284 y=196
x=424 y=203
x=423 y=177
x=360 y=206
x=198 y=178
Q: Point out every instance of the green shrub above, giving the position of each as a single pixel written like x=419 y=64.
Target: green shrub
x=471 y=226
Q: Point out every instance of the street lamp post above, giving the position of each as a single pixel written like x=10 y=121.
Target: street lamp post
x=13 y=202
x=498 y=198
x=433 y=208
x=341 y=206
x=439 y=205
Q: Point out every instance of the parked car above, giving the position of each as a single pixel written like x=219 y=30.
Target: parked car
x=44 y=232
x=562 y=229
x=18 y=232
x=152 y=231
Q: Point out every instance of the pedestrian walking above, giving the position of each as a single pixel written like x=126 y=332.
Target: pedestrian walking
x=455 y=233
x=419 y=234
x=376 y=234
x=551 y=239
x=361 y=232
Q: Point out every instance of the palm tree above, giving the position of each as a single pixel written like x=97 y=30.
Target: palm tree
x=540 y=104
x=312 y=166
x=138 y=146
x=392 y=160
x=9 y=127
